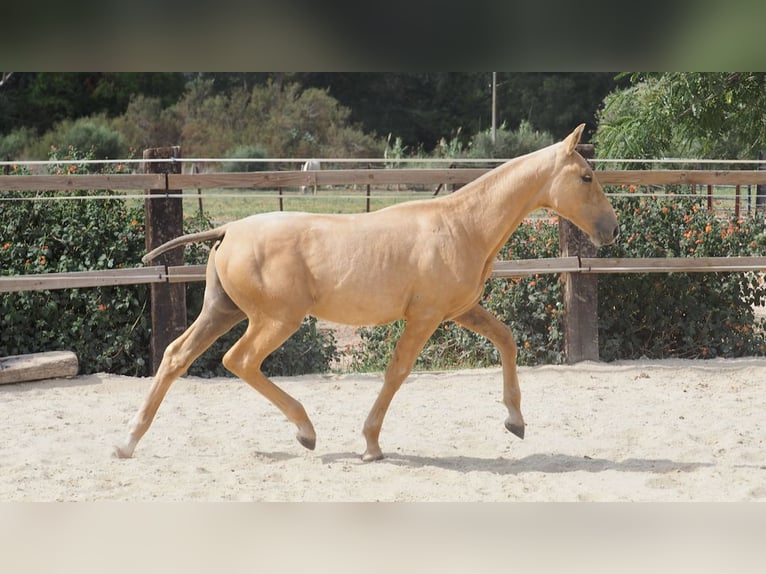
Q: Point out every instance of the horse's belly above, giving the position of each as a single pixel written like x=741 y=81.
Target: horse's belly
x=362 y=308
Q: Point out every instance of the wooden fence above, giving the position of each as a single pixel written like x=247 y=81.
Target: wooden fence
x=581 y=342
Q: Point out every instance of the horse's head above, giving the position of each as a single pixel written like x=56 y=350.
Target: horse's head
x=574 y=193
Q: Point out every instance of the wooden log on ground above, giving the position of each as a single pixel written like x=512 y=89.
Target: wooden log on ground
x=38 y=366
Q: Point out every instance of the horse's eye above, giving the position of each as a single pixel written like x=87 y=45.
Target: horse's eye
x=587 y=178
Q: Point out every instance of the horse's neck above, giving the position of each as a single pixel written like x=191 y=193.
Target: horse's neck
x=493 y=206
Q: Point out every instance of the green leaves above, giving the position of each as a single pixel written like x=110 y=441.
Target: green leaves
x=108 y=328
x=710 y=114
x=687 y=315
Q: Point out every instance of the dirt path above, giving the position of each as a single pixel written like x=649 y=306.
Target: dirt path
x=667 y=430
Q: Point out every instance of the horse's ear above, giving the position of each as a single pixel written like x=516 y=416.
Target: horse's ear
x=573 y=139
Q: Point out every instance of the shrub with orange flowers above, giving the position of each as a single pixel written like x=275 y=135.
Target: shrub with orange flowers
x=684 y=315
x=106 y=327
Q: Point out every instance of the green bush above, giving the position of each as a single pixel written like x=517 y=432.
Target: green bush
x=92 y=135
x=509 y=143
x=687 y=315
x=106 y=327
x=147 y=124
x=245 y=151
x=14 y=145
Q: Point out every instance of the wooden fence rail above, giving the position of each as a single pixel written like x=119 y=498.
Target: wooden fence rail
x=501 y=269
x=275 y=180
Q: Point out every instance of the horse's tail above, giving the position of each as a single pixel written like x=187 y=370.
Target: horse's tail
x=217 y=234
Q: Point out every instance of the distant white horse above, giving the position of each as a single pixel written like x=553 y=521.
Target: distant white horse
x=310 y=165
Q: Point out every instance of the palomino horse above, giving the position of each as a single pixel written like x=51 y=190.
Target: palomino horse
x=422 y=261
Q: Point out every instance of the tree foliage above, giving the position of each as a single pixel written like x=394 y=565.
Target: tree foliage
x=289 y=113
x=710 y=114
x=38 y=100
x=281 y=119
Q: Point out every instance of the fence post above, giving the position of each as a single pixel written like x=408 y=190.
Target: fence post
x=164 y=221
x=760 y=190
x=580 y=291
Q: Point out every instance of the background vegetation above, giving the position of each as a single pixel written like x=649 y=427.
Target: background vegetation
x=258 y=115
x=108 y=328
x=286 y=114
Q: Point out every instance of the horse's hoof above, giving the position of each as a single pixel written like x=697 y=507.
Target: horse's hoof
x=308 y=442
x=515 y=428
x=372 y=456
x=121 y=452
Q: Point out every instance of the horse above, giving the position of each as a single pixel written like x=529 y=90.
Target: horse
x=424 y=261
x=310 y=165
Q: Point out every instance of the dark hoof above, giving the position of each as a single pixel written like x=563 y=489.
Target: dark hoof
x=309 y=443
x=515 y=428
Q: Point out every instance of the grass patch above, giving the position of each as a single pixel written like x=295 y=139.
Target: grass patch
x=228 y=205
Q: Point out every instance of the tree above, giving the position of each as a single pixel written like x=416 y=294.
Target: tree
x=283 y=120
x=423 y=108
x=710 y=114
x=39 y=100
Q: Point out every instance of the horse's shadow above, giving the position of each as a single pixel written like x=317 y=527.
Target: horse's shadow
x=547 y=463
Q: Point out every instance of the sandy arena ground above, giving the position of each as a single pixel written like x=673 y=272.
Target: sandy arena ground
x=636 y=431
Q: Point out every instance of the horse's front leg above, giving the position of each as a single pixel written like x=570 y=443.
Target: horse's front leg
x=482 y=322
x=411 y=342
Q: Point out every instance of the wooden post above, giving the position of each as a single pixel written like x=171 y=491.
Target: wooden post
x=580 y=291
x=368 y=198
x=164 y=221
x=760 y=190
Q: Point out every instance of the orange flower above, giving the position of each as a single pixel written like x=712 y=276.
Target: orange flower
x=134 y=223
x=632 y=189
x=6 y=246
x=102 y=307
x=708 y=228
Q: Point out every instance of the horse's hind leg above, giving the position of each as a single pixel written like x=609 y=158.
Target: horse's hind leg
x=244 y=359
x=218 y=315
x=485 y=324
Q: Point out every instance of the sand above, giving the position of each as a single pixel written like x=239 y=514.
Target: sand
x=632 y=431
